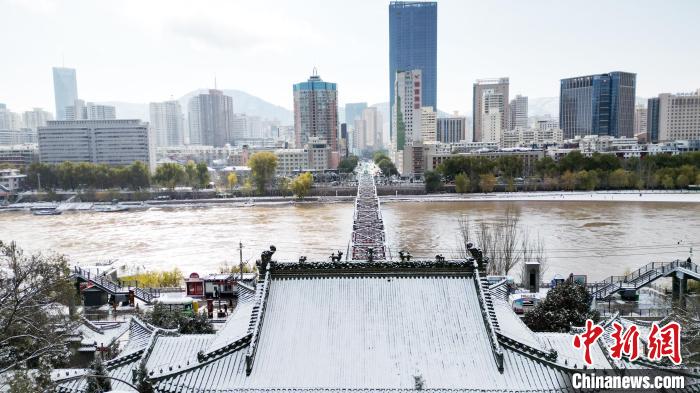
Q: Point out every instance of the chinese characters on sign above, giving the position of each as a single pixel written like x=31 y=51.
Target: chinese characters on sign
x=662 y=342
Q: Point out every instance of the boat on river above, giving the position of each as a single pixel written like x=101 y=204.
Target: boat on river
x=46 y=212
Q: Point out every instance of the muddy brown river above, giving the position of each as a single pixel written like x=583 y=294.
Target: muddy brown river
x=594 y=238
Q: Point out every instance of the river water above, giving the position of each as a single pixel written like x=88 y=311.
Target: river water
x=594 y=238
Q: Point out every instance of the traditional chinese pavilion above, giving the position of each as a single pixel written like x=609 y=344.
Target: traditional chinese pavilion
x=360 y=327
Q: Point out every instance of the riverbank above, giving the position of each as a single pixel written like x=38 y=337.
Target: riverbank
x=577 y=196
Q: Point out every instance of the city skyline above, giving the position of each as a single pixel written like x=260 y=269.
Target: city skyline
x=187 y=46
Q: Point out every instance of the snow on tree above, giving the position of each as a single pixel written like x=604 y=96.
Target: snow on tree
x=97 y=382
x=566 y=305
x=35 y=291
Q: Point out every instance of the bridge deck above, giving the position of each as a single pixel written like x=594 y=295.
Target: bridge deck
x=368 y=227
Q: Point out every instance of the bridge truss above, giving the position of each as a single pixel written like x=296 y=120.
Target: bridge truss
x=368 y=227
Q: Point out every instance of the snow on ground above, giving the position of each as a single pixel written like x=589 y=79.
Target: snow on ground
x=593 y=196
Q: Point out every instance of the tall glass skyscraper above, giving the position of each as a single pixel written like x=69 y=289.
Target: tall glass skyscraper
x=653 y=120
x=65 y=89
x=413 y=45
x=601 y=104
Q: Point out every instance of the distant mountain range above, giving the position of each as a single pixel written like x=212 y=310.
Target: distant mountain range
x=540 y=106
x=255 y=106
x=242 y=103
x=248 y=104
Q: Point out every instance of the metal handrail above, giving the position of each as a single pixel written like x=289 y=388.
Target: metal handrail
x=639 y=278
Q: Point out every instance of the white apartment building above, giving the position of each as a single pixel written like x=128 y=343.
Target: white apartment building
x=11 y=179
x=90 y=111
x=167 y=122
x=196 y=153
x=367 y=130
x=640 y=119
x=36 y=118
x=319 y=154
x=428 y=124
x=493 y=106
x=528 y=137
x=518 y=112
x=290 y=161
x=21 y=155
x=111 y=142
x=17 y=136
x=484 y=88
x=603 y=143
x=679 y=116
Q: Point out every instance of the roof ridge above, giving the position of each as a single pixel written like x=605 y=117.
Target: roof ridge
x=256 y=322
x=518 y=345
x=91 y=325
x=489 y=317
x=245 y=286
x=204 y=360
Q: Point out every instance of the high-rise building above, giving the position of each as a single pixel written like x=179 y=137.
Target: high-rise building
x=353 y=111
x=518 y=112
x=601 y=104
x=653 y=120
x=496 y=113
x=5 y=118
x=240 y=126
x=428 y=124
x=413 y=46
x=368 y=130
x=111 y=142
x=679 y=116
x=100 y=112
x=211 y=119
x=65 y=89
x=406 y=111
x=640 y=119
x=36 y=118
x=9 y=120
x=80 y=110
x=167 y=123
x=451 y=129
x=344 y=140
x=316 y=112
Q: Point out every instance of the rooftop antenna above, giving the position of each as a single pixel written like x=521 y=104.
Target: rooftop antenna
x=315 y=72
x=214 y=81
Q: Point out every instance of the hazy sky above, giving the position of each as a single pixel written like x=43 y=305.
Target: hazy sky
x=141 y=51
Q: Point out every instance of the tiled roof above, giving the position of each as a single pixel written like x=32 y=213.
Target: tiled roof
x=362 y=327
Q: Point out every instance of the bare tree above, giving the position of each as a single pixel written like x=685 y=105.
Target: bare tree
x=533 y=250
x=35 y=291
x=506 y=242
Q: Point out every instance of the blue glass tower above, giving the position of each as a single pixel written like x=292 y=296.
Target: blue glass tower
x=413 y=45
x=601 y=104
x=653 y=119
x=65 y=89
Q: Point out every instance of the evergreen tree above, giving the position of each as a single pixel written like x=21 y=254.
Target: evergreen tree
x=43 y=377
x=21 y=383
x=97 y=383
x=143 y=384
x=566 y=305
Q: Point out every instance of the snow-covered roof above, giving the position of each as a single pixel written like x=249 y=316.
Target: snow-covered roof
x=360 y=326
x=93 y=334
x=363 y=326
